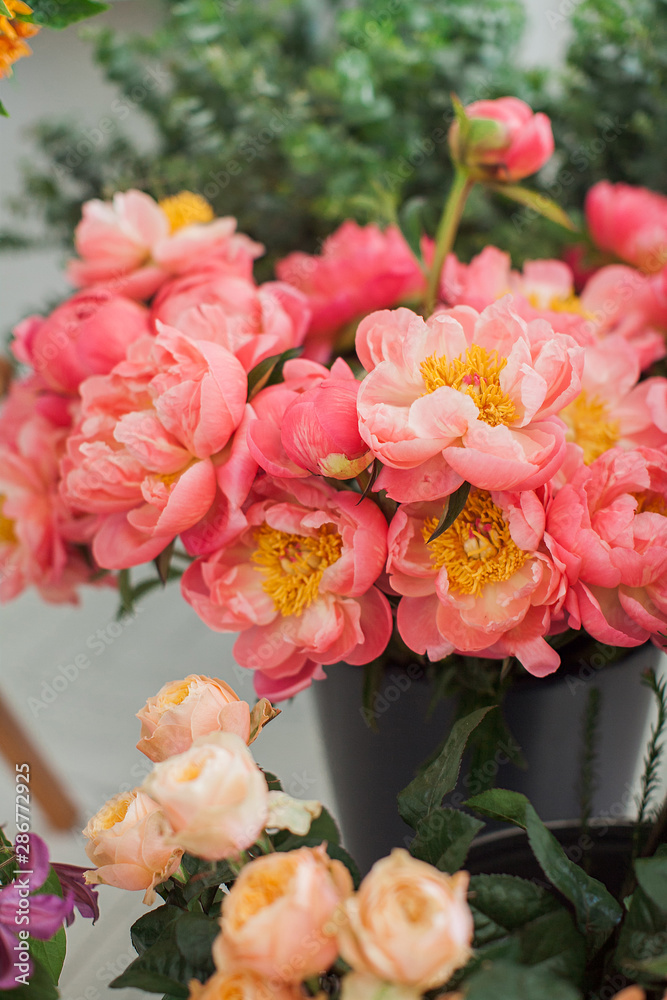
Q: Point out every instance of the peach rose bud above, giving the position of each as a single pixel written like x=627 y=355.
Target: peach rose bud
x=214 y=795
x=130 y=845
x=408 y=923
x=361 y=986
x=182 y=711
x=281 y=915
x=242 y=985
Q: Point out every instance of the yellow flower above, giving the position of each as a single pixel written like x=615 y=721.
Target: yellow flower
x=13 y=34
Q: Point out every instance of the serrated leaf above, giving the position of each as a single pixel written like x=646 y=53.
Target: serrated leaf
x=455 y=504
x=269 y=371
x=553 y=943
x=597 y=911
x=501 y=904
x=537 y=201
x=426 y=792
x=147 y=929
x=444 y=837
x=652 y=877
x=508 y=981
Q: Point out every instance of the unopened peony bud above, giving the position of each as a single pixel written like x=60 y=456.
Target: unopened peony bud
x=504 y=140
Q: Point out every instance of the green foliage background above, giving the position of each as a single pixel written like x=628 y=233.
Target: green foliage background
x=295 y=114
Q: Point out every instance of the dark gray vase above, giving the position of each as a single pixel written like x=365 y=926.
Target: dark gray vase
x=545 y=717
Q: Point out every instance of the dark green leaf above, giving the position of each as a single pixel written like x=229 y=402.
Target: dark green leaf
x=273 y=782
x=293 y=843
x=426 y=792
x=504 y=903
x=181 y=952
x=652 y=877
x=597 y=911
x=443 y=838
x=195 y=934
x=537 y=201
x=507 y=981
x=147 y=929
x=3 y=111
x=553 y=943
x=376 y=469
x=269 y=371
x=163 y=561
x=125 y=591
x=455 y=504
x=64 y=12
x=325 y=828
x=51 y=954
x=642 y=943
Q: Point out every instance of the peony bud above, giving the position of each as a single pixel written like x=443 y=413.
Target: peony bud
x=503 y=140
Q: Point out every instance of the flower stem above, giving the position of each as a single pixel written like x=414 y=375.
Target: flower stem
x=446 y=234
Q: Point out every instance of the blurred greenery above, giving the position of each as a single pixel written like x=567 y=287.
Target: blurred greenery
x=293 y=115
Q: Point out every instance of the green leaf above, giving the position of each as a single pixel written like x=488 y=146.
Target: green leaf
x=443 y=838
x=325 y=827
x=181 y=953
x=426 y=792
x=652 y=877
x=507 y=981
x=538 y=202
x=269 y=371
x=273 y=782
x=5 y=11
x=553 y=943
x=40 y=986
x=597 y=911
x=163 y=561
x=147 y=929
x=642 y=947
x=3 y=111
x=504 y=903
x=125 y=591
x=376 y=469
x=59 y=15
x=455 y=504
x=51 y=954
x=195 y=934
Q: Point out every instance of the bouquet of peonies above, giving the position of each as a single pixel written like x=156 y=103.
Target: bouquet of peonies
x=482 y=468
x=261 y=901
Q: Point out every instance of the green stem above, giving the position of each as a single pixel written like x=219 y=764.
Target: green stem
x=444 y=239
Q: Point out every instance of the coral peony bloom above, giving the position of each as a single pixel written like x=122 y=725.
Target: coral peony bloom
x=630 y=222
x=409 y=923
x=214 y=796
x=242 y=984
x=486 y=586
x=298 y=583
x=134 y=244
x=616 y=299
x=359 y=270
x=182 y=711
x=40 y=539
x=280 y=916
x=144 y=449
x=513 y=142
x=87 y=335
x=304 y=430
x=609 y=528
x=129 y=844
x=466 y=397
x=253 y=322
x=613 y=408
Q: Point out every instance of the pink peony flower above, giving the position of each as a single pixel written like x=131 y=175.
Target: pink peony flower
x=487 y=585
x=252 y=322
x=616 y=300
x=298 y=584
x=359 y=270
x=304 y=430
x=609 y=526
x=133 y=243
x=516 y=142
x=144 y=449
x=87 y=335
x=40 y=539
x=465 y=396
x=630 y=222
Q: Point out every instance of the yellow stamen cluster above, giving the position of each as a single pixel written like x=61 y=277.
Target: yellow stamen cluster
x=653 y=503
x=7 y=533
x=12 y=35
x=293 y=565
x=262 y=886
x=561 y=303
x=478 y=548
x=589 y=425
x=185 y=208
x=478 y=376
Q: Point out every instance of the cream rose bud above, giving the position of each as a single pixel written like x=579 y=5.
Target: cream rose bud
x=408 y=923
x=129 y=843
x=361 y=986
x=214 y=795
x=182 y=711
x=281 y=915
x=242 y=985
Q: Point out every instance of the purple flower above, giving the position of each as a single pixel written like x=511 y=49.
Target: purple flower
x=42 y=915
x=85 y=896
